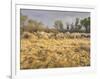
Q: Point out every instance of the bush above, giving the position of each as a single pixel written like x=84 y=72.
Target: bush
x=26 y=35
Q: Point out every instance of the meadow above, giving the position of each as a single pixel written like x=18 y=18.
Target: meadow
x=54 y=39
x=50 y=50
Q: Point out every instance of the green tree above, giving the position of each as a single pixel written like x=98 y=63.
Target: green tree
x=72 y=28
x=34 y=26
x=58 y=25
x=22 y=19
x=31 y=27
x=22 y=22
x=67 y=27
x=77 y=21
x=86 y=23
x=77 y=25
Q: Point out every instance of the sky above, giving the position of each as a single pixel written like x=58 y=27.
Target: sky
x=48 y=17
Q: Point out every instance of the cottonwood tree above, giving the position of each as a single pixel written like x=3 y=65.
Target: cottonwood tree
x=59 y=25
x=72 y=27
x=77 y=25
x=86 y=23
x=67 y=27
x=23 y=18
x=34 y=26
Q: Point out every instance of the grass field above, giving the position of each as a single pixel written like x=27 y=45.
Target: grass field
x=36 y=53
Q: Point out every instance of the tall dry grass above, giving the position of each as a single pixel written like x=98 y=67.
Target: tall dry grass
x=44 y=52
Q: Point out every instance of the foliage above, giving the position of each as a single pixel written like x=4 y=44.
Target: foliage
x=58 y=25
x=31 y=26
x=86 y=23
x=22 y=19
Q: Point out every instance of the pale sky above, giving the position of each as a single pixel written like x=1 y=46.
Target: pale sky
x=48 y=17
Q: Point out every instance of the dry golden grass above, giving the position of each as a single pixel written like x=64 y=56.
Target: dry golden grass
x=52 y=53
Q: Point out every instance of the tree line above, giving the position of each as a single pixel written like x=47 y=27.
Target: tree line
x=34 y=26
